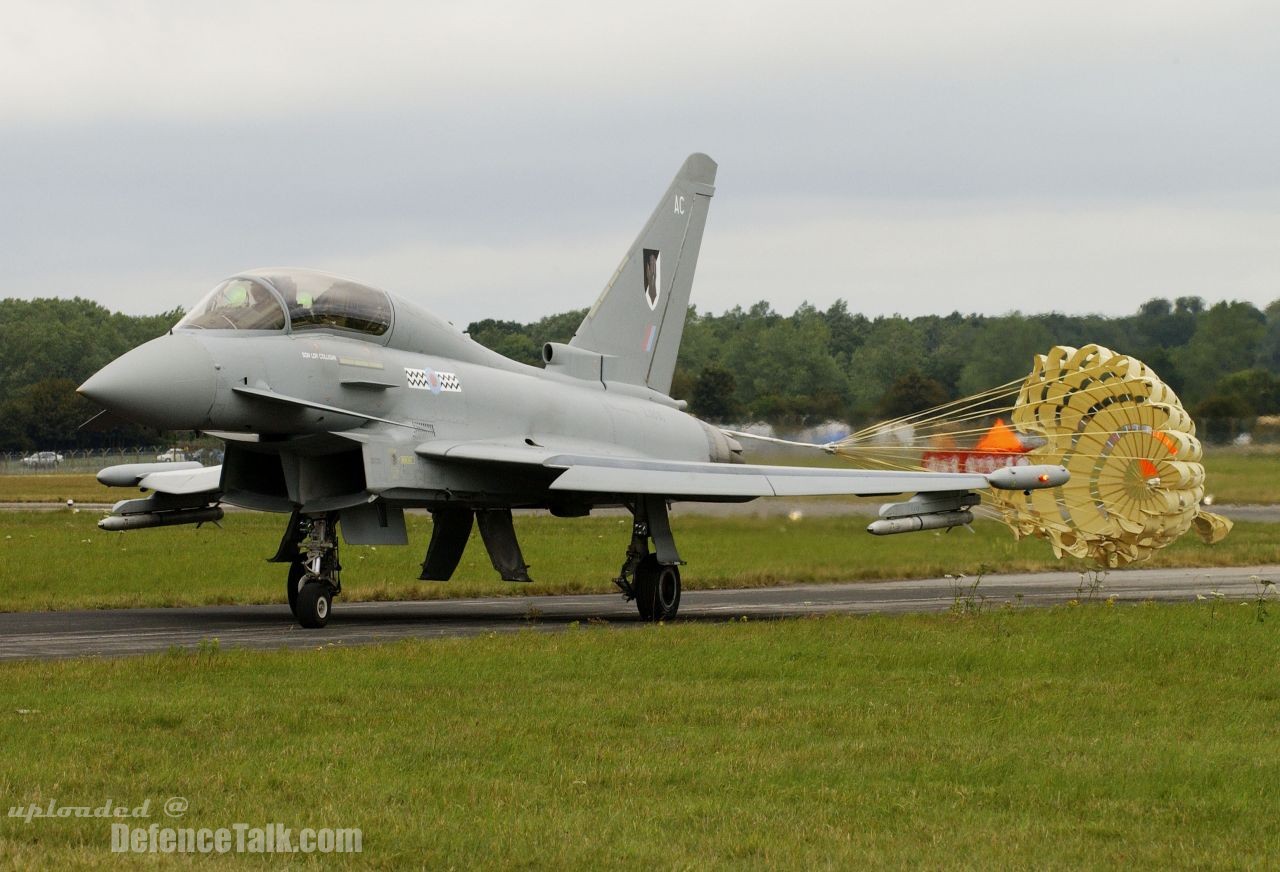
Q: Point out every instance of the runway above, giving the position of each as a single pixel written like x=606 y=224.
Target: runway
x=53 y=635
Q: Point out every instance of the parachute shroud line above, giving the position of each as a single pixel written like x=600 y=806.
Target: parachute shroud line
x=1137 y=473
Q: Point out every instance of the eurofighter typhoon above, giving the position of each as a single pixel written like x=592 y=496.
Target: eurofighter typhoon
x=342 y=405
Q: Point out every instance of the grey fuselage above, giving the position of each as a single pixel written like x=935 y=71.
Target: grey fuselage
x=281 y=397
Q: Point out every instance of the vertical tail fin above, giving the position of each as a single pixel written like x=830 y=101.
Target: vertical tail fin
x=639 y=318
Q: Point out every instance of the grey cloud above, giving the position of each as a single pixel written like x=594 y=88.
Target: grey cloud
x=554 y=153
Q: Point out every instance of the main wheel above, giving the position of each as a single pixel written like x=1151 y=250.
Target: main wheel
x=657 y=589
x=314 y=601
x=294 y=584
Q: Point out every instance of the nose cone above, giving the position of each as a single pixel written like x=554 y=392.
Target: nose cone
x=167 y=383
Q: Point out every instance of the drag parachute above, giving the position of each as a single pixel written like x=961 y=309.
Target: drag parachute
x=1135 y=463
x=1137 y=480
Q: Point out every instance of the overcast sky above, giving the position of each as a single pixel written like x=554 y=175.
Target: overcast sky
x=496 y=159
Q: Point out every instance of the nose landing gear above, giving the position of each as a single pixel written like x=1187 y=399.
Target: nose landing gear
x=315 y=573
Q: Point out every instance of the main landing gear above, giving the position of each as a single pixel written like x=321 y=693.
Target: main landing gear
x=315 y=573
x=651 y=579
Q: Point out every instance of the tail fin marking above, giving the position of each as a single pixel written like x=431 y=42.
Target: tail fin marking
x=638 y=320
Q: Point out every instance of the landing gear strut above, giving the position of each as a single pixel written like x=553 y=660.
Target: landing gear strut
x=651 y=579
x=315 y=573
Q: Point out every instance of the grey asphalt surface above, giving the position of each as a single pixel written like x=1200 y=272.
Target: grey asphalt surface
x=53 y=635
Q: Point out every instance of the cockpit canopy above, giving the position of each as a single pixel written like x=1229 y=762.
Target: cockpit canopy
x=274 y=299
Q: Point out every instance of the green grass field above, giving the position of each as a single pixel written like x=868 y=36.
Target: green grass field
x=59 y=560
x=58 y=488
x=1122 y=737
x=1243 y=476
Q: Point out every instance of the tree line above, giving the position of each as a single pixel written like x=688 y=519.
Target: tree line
x=794 y=371
x=47 y=348
x=745 y=365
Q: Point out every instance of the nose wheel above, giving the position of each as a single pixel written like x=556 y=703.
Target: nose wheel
x=314 y=601
x=314 y=575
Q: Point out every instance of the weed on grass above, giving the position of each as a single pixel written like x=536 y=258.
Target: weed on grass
x=1214 y=598
x=1264 y=589
x=964 y=592
x=1092 y=582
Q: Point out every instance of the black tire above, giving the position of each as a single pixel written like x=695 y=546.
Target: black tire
x=315 y=601
x=293 y=584
x=657 y=590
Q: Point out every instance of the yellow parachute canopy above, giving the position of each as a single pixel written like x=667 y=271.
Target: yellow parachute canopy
x=1136 y=476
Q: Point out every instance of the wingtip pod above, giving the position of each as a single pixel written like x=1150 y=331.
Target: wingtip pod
x=1027 y=478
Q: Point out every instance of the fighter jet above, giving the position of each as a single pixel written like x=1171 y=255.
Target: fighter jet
x=342 y=406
